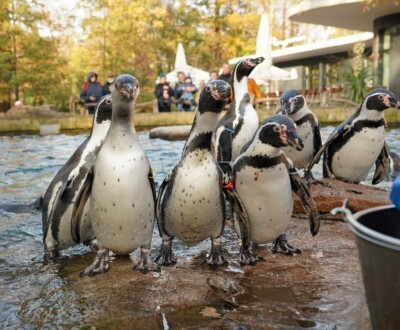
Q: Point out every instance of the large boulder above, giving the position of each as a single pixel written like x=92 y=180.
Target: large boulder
x=170 y=133
x=330 y=193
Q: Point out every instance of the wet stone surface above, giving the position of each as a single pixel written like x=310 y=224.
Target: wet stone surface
x=322 y=288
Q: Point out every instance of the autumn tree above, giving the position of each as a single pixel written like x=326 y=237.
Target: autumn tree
x=30 y=64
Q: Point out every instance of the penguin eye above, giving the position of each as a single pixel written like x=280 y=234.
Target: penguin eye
x=208 y=89
x=277 y=129
x=381 y=97
x=108 y=101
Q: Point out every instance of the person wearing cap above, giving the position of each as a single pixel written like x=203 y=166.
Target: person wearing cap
x=91 y=91
x=163 y=93
x=109 y=82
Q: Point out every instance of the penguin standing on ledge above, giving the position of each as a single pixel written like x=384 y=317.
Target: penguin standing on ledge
x=121 y=188
x=294 y=105
x=190 y=203
x=265 y=179
x=62 y=192
x=359 y=142
x=238 y=125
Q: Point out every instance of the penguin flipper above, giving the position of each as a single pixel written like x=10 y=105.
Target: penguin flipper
x=307 y=172
x=317 y=140
x=79 y=205
x=225 y=147
x=61 y=191
x=152 y=185
x=160 y=196
x=300 y=188
x=381 y=165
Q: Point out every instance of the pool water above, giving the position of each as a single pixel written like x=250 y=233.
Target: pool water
x=32 y=290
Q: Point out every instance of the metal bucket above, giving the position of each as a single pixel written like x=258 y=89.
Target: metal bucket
x=378 y=240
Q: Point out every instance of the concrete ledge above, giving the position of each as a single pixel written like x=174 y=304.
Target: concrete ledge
x=146 y=120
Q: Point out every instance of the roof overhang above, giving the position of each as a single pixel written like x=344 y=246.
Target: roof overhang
x=327 y=47
x=347 y=14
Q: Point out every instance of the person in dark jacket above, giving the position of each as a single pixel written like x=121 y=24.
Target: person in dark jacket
x=163 y=94
x=226 y=74
x=109 y=82
x=178 y=86
x=91 y=91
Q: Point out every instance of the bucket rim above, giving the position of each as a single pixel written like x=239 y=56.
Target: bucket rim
x=378 y=238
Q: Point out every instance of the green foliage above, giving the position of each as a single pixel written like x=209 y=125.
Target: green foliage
x=357 y=84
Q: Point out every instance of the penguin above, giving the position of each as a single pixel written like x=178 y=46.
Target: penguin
x=265 y=179
x=121 y=188
x=60 y=196
x=238 y=125
x=359 y=142
x=294 y=105
x=395 y=164
x=190 y=203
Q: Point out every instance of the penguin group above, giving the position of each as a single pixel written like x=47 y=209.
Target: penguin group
x=105 y=194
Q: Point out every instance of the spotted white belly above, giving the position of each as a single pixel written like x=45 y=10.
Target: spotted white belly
x=122 y=205
x=355 y=159
x=194 y=212
x=302 y=158
x=246 y=133
x=267 y=197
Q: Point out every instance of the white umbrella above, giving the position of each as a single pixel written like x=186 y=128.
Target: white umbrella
x=196 y=74
x=265 y=72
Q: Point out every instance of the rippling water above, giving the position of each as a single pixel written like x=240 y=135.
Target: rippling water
x=31 y=290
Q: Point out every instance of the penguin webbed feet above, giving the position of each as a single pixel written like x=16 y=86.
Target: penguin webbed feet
x=99 y=266
x=146 y=264
x=165 y=257
x=281 y=245
x=308 y=178
x=216 y=257
x=247 y=258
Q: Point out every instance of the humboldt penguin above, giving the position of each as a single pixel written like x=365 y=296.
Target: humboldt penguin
x=61 y=194
x=294 y=105
x=265 y=179
x=190 y=203
x=121 y=188
x=238 y=125
x=359 y=142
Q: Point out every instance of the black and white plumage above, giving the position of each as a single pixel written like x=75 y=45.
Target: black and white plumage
x=236 y=128
x=265 y=179
x=294 y=105
x=61 y=194
x=190 y=203
x=359 y=142
x=394 y=164
x=121 y=188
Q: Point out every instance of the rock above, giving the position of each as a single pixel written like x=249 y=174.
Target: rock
x=170 y=133
x=320 y=288
x=330 y=193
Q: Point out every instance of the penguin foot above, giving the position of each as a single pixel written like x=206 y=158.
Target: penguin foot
x=51 y=254
x=99 y=266
x=216 y=258
x=281 y=245
x=165 y=257
x=248 y=258
x=146 y=264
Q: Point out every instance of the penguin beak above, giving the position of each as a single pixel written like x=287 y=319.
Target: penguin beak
x=128 y=90
x=394 y=103
x=292 y=139
x=258 y=60
x=286 y=109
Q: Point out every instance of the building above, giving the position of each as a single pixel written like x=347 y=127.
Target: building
x=319 y=65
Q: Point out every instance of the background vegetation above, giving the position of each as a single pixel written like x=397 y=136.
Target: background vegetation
x=44 y=56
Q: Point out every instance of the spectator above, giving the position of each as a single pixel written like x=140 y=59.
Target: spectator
x=213 y=75
x=226 y=74
x=109 y=82
x=177 y=89
x=91 y=91
x=163 y=93
x=186 y=102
